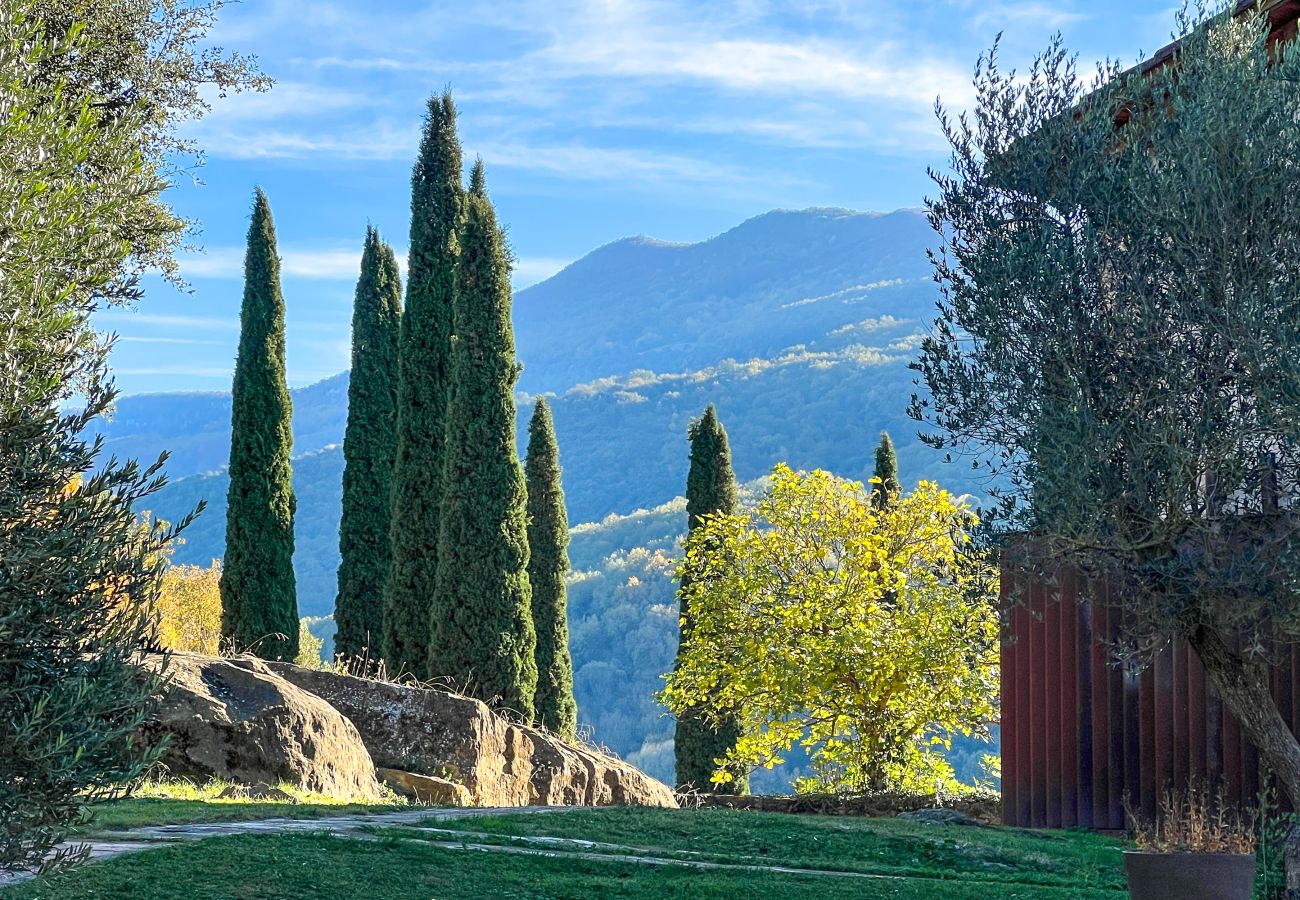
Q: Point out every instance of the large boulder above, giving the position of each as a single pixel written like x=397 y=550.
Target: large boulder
x=236 y=719
x=460 y=739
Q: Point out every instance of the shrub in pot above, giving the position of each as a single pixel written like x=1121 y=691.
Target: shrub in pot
x=1198 y=848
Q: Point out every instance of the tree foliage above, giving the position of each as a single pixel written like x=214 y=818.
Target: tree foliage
x=369 y=446
x=423 y=387
x=548 y=566
x=885 y=485
x=702 y=740
x=259 y=601
x=189 y=609
x=79 y=575
x=865 y=635
x=483 y=640
x=1116 y=340
x=147 y=66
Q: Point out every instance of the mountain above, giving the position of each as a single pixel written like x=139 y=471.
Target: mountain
x=777 y=280
x=799 y=326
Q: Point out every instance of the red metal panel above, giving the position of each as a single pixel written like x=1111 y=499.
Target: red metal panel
x=1052 y=704
x=1149 y=788
x=1081 y=734
x=1118 y=746
x=1231 y=757
x=1069 y=701
x=1037 y=711
x=1181 y=748
x=1196 y=771
x=1085 y=795
x=1163 y=679
x=1101 y=677
x=1196 y=719
x=1024 y=756
x=1010 y=711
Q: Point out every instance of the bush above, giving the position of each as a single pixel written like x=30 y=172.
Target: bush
x=309 y=648
x=189 y=609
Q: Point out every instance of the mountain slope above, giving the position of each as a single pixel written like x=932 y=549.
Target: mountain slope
x=780 y=279
x=799 y=326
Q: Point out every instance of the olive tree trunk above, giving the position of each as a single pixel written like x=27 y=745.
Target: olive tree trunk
x=1243 y=685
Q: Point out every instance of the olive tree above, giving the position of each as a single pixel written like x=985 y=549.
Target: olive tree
x=1118 y=342
x=79 y=572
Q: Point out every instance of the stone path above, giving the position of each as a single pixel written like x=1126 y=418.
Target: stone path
x=104 y=844
x=356 y=827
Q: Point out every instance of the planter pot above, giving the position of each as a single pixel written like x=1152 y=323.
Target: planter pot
x=1189 y=876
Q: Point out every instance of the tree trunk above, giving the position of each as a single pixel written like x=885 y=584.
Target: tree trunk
x=1244 y=686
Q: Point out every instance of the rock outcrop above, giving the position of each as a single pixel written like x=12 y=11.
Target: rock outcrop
x=426 y=788
x=236 y=719
x=461 y=740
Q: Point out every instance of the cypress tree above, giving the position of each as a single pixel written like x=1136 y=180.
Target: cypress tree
x=483 y=640
x=369 y=445
x=422 y=393
x=548 y=563
x=259 y=604
x=710 y=488
x=883 y=494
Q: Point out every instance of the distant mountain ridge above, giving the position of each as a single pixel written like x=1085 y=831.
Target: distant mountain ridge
x=639 y=303
x=799 y=326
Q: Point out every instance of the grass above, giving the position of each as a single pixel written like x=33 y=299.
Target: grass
x=184 y=803
x=1061 y=859
x=912 y=862
x=290 y=867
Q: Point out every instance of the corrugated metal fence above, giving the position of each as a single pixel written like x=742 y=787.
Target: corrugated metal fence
x=1079 y=734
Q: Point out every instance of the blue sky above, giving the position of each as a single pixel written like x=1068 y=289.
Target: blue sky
x=596 y=119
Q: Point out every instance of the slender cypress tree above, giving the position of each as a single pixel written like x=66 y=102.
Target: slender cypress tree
x=259 y=604
x=710 y=488
x=423 y=382
x=368 y=449
x=548 y=563
x=883 y=494
x=483 y=640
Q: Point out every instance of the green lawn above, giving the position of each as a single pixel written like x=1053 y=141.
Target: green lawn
x=180 y=802
x=134 y=813
x=917 y=862
x=1068 y=860
x=299 y=866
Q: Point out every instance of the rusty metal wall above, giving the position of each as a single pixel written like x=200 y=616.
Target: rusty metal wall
x=1080 y=734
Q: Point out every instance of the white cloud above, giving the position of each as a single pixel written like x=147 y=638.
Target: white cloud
x=195 y=323
x=193 y=371
x=529 y=270
x=330 y=264
x=135 y=339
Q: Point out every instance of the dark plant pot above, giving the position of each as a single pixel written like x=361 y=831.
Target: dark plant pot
x=1189 y=876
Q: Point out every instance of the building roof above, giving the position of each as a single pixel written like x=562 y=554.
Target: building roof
x=1283 y=16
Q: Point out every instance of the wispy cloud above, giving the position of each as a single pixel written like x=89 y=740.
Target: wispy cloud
x=115 y=317
x=529 y=270
x=197 y=342
x=331 y=264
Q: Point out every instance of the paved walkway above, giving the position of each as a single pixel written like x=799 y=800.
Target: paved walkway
x=104 y=844
x=356 y=827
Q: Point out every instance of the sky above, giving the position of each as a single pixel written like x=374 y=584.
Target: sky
x=595 y=119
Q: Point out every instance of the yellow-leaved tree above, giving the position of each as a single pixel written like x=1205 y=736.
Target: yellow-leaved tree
x=189 y=609
x=866 y=634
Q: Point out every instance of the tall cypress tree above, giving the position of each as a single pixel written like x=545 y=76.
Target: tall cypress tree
x=883 y=494
x=548 y=563
x=710 y=488
x=482 y=629
x=369 y=446
x=259 y=604
x=423 y=382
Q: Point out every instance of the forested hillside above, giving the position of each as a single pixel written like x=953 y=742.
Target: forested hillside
x=798 y=326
